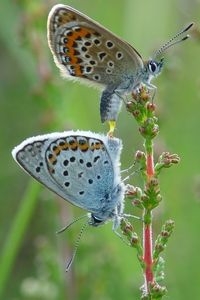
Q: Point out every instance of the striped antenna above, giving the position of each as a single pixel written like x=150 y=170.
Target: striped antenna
x=174 y=40
x=71 y=223
x=70 y=261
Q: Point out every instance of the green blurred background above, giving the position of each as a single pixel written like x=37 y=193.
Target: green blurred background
x=34 y=99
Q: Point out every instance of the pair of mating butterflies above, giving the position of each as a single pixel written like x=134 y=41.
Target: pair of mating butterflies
x=83 y=167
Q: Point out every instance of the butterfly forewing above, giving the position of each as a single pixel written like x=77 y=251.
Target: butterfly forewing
x=83 y=48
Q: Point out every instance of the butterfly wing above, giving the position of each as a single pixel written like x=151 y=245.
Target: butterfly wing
x=75 y=165
x=84 y=49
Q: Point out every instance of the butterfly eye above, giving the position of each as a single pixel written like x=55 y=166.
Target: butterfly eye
x=95 y=221
x=155 y=67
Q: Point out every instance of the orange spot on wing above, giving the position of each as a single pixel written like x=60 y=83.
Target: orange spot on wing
x=78 y=71
x=74 y=145
x=52 y=160
x=83 y=147
x=56 y=150
x=64 y=146
x=96 y=146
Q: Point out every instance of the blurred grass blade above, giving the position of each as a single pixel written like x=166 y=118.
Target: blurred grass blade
x=17 y=232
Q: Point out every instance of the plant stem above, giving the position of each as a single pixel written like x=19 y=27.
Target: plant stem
x=147 y=224
x=149 y=197
x=147 y=246
x=150 y=166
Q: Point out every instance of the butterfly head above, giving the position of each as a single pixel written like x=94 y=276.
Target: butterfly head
x=152 y=68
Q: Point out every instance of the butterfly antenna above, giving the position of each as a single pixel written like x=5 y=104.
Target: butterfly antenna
x=132 y=173
x=69 y=263
x=69 y=225
x=127 y=177
x=129 y=168
x=174 y=40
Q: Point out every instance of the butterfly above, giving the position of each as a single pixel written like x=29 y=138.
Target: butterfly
x=81 y=167
x=85 y=50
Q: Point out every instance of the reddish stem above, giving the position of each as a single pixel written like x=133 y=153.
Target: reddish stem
x=147 y=231
x=147 y=246
x=150 y=165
